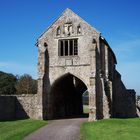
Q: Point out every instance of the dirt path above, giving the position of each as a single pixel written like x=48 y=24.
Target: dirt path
x=65 y=129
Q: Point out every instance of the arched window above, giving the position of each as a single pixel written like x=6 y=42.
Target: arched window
x=58 y=31
x=79 y=29
x=45 y=44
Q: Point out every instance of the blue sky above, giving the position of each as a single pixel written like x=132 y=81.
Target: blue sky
x=22 y=21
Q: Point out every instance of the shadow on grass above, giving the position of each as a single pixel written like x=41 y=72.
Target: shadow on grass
x=10 y=120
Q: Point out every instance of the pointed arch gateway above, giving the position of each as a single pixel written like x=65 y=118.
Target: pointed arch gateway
x=71 y=45
x=66 y=96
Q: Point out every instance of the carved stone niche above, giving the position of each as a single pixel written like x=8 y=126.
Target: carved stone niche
x=79 y=29
x=68 y=28
x=58 y=31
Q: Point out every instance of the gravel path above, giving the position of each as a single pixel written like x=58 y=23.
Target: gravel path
x=65 y=129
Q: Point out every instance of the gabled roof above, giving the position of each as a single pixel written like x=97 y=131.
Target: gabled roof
x=64 y=12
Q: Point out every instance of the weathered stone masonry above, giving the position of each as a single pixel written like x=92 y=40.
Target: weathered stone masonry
x=18 y=106
x=73 y=57
x=92 y=64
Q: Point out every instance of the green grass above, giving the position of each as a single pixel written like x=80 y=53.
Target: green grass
x=111 y=129
x=17 y=130
x=86 y=108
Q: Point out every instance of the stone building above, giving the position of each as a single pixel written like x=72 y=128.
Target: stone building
x=73 y=57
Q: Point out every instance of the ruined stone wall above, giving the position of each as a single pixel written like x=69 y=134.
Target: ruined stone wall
x=7 y=107
x=112 y=96
x=26 y=106
x=124 y=101
x=105 y=67
x=138 y=101
x=77 y=65
x=94 y=65
x=130 y=104
x=18 y=106
x=138 y=105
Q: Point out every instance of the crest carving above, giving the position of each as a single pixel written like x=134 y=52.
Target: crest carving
x=68 y=28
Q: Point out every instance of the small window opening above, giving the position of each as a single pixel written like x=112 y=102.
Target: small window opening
x=58 y=31
x=78 y=29
x=68 y=47
x=45 y=44
x=75 y=47
x=61 y=48
x=71 y=47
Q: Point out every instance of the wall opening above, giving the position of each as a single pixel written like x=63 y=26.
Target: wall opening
x=68 y=47
x=67 y=97
x=85 y=98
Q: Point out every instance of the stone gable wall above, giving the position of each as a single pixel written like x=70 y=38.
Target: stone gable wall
x=95 y=65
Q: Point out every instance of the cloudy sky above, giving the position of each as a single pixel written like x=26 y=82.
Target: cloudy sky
x=22 y=21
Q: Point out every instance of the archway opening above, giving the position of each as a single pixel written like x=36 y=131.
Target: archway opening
x=85 y=97
x=67 y=97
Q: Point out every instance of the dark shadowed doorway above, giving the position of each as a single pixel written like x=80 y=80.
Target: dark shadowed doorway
x=66 y=97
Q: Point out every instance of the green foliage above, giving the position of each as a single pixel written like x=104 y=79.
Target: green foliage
x=7 y=83
x=17 y=130
x=10 y=84
x=111 y=129
x=26 y=85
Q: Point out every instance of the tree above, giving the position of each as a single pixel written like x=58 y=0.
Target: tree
x=26 y=85
x=7 y=83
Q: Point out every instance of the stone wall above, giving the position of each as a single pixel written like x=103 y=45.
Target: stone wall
x=130 y=103
x=7 y=107
x=138 y=105
x=51 y=66
x=138 y=101
x=124 y=101
x=26 y=106
x=94 y=65
x=18 y=106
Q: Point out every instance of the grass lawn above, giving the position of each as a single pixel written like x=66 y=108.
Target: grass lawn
x=18 y=129
x=86 y=108
x=111 y=129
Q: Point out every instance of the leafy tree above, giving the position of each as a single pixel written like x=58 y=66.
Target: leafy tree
x=26 y=85
x=7 y=83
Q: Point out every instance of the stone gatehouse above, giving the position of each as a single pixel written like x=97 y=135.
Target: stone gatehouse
x=73 y=58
